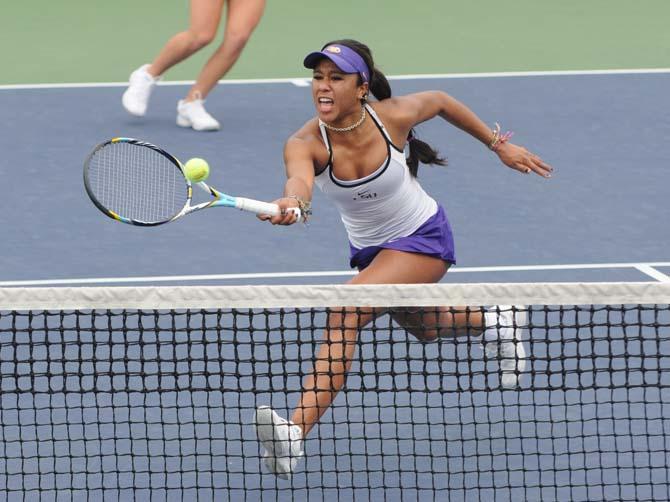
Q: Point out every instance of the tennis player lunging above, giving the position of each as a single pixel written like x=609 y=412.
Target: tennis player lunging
x=353 y=151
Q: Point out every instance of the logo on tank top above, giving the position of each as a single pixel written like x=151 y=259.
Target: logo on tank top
x=366 y=194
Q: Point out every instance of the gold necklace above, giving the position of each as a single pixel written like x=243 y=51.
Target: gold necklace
x=346 y=129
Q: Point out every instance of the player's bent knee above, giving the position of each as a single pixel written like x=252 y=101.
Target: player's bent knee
x=425 y=335
x=235 y=42
x=201 y=39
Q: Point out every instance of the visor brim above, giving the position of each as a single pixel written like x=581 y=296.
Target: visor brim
x=312 y=59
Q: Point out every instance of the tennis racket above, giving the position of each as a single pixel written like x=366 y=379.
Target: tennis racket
x=138 y=183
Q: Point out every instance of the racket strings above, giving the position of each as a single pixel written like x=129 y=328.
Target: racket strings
x=137 y=182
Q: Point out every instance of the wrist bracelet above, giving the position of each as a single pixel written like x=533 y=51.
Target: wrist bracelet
x=499 y=139
x=305 y=206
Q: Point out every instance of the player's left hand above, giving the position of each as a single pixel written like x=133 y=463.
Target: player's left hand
x=519 y=158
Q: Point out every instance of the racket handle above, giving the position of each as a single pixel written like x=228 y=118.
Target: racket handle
x=258 y=207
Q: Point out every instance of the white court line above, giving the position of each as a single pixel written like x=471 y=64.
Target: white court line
x=556 y=73
x=301 y=82
x=652 y=272
x=304 y=82
x=646 y=268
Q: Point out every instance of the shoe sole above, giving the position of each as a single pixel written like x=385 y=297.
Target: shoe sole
x=265 y=427
x=265 y=433
x=182 y=122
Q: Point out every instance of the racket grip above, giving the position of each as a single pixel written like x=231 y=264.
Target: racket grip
x=259 y=207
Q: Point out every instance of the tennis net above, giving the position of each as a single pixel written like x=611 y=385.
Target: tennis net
x=149 y=393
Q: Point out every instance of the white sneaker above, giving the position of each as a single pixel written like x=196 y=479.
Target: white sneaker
x=502 y=340
x=136 y=97
x=281 y=439
x=193 y=114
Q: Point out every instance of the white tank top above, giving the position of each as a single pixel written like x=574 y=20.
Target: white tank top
x=385 y=205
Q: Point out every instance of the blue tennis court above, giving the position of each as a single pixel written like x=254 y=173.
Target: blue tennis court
x=607 y=202
x=133 y=360
x=602 y=217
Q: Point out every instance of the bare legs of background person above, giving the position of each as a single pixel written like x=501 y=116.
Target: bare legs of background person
x=242 y=18
x=205 y=15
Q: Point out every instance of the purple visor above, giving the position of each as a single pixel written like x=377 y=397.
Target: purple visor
x=345 y=59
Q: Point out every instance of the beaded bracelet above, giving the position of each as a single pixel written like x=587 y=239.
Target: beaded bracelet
x=499 y=139
x=305 y=207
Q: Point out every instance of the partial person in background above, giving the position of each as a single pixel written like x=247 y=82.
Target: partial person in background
x=354 y=151
x=242 y=17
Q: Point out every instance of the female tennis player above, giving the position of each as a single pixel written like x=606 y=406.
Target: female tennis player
x=241 y=19
x=353 y=150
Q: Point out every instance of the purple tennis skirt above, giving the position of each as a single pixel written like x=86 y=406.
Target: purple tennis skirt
x=433 y=238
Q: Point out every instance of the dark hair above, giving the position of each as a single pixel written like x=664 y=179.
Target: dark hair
x=419 y=151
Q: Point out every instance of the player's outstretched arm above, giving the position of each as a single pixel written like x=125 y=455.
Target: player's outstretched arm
x=299 y=163
x=424 y=106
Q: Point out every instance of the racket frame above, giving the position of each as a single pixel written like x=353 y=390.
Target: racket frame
x=219 y=198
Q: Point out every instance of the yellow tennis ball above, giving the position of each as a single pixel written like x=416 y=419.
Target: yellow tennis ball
x=196 y=170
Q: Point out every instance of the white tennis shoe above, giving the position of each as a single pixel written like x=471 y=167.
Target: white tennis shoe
x=136 y=97
x=193 y=114
x=282 y=441
x=502 y=340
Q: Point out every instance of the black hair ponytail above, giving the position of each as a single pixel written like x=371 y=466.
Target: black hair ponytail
x=419 y=151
